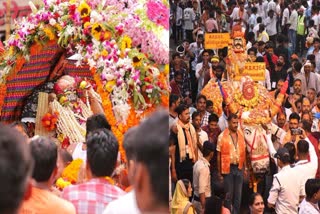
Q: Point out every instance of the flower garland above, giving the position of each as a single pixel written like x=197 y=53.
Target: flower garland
x=248 y=104
x=133 y=118
x=71 y=172
x=105 y=35
x=49 y=121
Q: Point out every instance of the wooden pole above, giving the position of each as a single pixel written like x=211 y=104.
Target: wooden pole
x=8 y=19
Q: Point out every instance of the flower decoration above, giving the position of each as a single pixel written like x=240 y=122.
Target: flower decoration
x=157 y=12
x=71 y=172
x=84 y=9
x=49 y=121
x=125 y=45
x=61 y=183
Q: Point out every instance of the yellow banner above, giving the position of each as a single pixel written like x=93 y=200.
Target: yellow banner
x=216 y=40
x=256 y=70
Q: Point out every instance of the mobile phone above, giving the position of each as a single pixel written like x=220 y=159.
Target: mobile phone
x=296 y=131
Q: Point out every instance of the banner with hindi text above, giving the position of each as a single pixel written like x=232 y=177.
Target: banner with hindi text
x=216 y=40
x=256 y=70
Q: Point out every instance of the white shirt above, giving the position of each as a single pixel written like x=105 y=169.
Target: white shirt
x=255 y=31
x=286 y=190
x=308 y=208
x=252 y=21
x=285 y=14
x=203 y=136
x=271 y=25
x=123 y=205
x=196 y=50
x=260 y=10
x=266 y=83
x=200 y=78
x=307 y=168
x=201 y=177
x=293 y=20
x=79 y=153
x=235 y=16
x=265 y=8
x=271 y=6
x=223 y=123
x=179 y=12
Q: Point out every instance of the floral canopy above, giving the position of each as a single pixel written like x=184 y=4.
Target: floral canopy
x=123 y=43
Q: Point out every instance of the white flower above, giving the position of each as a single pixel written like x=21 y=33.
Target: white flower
x=95 y=17
x=69 y=30
x=52 y=22
x=91 y=62
x=155 y=72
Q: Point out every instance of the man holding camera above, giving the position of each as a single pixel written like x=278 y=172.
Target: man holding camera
x=294 y=134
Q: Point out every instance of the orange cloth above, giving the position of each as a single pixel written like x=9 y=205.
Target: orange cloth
x=43 y=201
x=225 y=144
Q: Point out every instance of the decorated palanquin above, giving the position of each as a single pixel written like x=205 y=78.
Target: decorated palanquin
x=117 y=51
x=251 y=101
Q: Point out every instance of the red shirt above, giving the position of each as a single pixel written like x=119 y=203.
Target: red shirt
x=274 y=59
x=93 y=196
x=314 y=142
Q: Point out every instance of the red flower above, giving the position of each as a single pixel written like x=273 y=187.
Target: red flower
x=65 y=143
x=85 y=19
x=56 y=15
x=72 y=9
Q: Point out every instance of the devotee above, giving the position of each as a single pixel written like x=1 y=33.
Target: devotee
x=180 y=201
x=209 y=106
x=21 y=127
x=311 y=95
x=293 y=135
x=310 y=203
x=174 y=102
x=185 y=146
x=232 y=162
x=203 y=70
x=202 y=135
x=45 y=155
x=202 y=178
x=307 y=163
x=223 y=119
x=181 y=89
x=126 y=203
x=201 y=108
x=256 y=204
x=151 y=164
x=94 y=122
x=286 y=187
x=93 y=195
x=16 y=170
x=310 y=77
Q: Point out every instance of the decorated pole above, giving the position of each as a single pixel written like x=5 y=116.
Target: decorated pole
x=8 y=19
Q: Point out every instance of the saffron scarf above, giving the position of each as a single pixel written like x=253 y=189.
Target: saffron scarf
x=191 y=136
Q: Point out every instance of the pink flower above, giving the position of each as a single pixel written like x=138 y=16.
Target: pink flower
x=158 y=13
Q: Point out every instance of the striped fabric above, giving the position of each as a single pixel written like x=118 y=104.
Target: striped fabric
x=32 y=74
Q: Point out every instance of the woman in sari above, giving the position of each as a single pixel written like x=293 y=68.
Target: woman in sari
x=180 y=201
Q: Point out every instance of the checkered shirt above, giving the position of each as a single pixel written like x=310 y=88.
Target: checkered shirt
x=93 y=196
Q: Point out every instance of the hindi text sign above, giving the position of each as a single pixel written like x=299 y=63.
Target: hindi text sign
x=256 y=70
x=216 y=40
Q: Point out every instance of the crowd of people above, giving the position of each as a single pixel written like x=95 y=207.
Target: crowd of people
x=30 y=168
x=209 y=167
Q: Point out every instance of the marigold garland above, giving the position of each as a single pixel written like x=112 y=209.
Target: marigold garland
x=133 y=119
x=71 y=172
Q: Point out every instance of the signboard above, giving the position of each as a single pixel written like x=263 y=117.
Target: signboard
x=216 y=40
x=256 y=70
